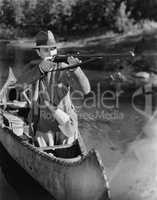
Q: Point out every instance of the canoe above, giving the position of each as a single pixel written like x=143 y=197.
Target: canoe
x=67 y=172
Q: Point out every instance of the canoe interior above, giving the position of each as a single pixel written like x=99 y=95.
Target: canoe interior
x=15 y=174
x=64 y=170
x=68 y=176
x=71 y=151
x=59 y=151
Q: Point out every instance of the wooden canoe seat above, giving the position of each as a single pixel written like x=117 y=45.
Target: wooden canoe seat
x=15 y=123
x=75 y=159
x=54 y=147
x=17 y=104
x=63 y=151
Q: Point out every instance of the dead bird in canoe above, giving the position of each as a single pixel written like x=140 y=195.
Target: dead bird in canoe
x=66 y=171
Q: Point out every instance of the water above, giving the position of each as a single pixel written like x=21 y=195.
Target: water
x=14 y=182
x=109 y=128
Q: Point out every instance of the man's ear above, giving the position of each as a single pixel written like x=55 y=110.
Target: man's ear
x=38 y=52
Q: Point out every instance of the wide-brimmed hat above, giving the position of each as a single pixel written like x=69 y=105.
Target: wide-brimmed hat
x=45 y=40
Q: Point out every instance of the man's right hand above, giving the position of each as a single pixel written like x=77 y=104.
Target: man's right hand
x=50 y=107
x=47 y=65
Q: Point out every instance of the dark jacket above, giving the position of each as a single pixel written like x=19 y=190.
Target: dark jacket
x=58 y=88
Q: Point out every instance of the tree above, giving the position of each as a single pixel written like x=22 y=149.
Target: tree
x=123 y=21
x=143 y=9
x=7 y=13
x=90 y=15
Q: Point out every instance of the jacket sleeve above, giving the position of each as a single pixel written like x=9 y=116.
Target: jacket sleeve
x=29 y=74
x=80 y=80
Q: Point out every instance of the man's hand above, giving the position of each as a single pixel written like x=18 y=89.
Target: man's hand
x=72 y=61
x=50 y=107
x=47 y=65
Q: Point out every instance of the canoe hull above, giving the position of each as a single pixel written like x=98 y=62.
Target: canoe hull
x=65 y=180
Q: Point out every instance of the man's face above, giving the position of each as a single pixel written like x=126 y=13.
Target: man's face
x=45 y=53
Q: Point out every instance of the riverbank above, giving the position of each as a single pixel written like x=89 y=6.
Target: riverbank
x=109 y=130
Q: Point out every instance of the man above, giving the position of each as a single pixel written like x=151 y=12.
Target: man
x=53 y=114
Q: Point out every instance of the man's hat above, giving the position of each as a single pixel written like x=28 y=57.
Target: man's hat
x=45 y=40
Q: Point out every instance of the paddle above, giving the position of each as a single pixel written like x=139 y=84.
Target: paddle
x=10 y=81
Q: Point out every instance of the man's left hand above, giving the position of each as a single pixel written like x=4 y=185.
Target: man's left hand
x=46 y=66
x=73 y=61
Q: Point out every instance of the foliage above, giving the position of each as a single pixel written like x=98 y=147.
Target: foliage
x=92 y=15
x=7 y=13
x=7 y=32
x=123 y=22
x=74 y=17
x=145 y=9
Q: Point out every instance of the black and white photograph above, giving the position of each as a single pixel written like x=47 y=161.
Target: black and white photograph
x=78 y=99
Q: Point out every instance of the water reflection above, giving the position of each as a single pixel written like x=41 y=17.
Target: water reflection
x=22 y=184
x=15 y=183
x=110 y=138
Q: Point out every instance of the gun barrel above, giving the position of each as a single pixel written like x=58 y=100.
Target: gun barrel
x=63 y=57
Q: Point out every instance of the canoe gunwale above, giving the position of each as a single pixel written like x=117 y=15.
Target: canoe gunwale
x=48 y=157
x=107 y=186
x=62 y=162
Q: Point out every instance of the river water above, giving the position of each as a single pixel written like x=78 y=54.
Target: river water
x=108 y=125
